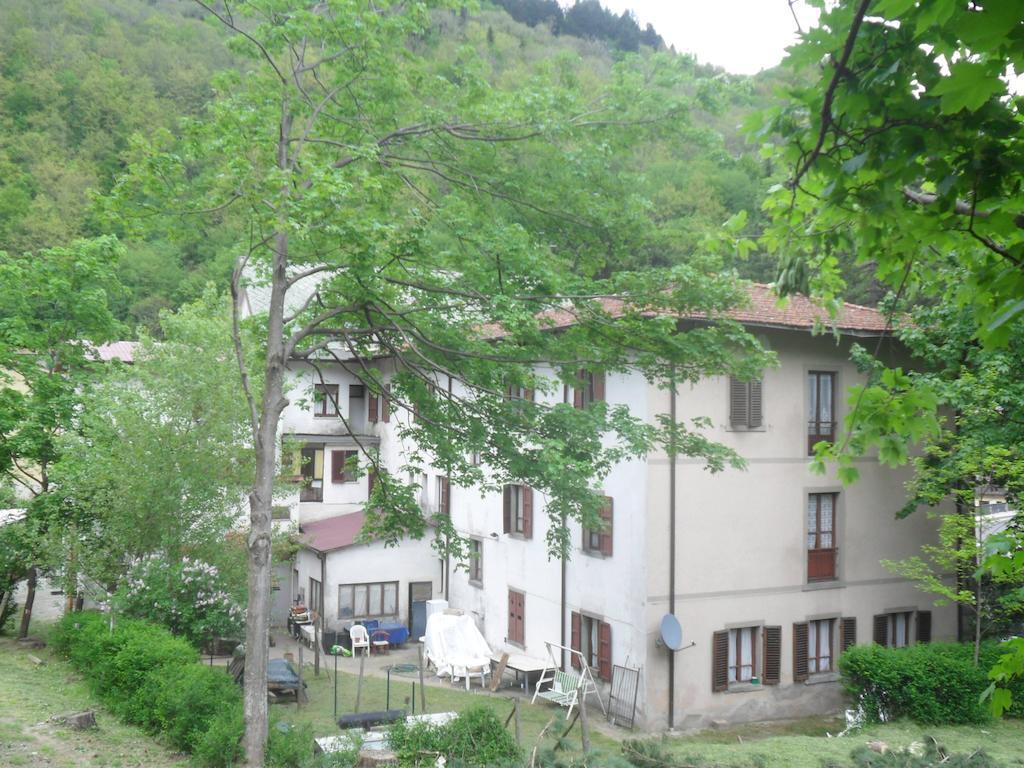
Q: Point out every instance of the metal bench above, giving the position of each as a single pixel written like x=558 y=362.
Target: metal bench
x=564 y=690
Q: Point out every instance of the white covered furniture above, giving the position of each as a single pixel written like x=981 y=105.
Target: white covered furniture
x=360 y=638
x=456 y=649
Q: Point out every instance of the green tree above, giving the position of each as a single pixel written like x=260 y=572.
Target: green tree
x=54 y=309
x=396 y=205
x=160 y=460
x=902 y=148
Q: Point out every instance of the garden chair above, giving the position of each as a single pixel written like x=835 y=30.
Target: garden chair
x=360 y=638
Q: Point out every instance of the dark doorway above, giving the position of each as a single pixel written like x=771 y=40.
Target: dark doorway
x=419 y=593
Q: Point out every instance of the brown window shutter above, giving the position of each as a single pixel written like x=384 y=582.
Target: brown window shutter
x=372 y=405
x=574 y=638
x=527 y=511
x=924 y=626
x=598 y=387
x=511 y=615
x=604 y=651
x=371 y=481
x=506 y=508
x=446 y=496
x=720 y=660
x=800 y=652
x=529 y=394
x=739 y=412
x=607 y=514
x=577 y=391
x=338 y=459
x=385 y=404
x=880 y=629
x=521 y=616
x=754 y=416
x=847 y=632
x=772 y=672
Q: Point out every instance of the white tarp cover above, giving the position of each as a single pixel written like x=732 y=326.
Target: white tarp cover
x=454 y=645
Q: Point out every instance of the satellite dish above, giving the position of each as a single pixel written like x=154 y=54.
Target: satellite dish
x=671 y=635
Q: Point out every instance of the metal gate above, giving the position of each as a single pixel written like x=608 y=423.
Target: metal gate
x=622 y=701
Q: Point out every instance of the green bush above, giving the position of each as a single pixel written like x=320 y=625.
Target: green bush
x=152 y=678
x=221 y=745
x=476 y=737
x=931 y=683
x=290 y=748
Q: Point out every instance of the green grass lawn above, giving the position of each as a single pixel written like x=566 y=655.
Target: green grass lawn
x=319 y=712
x=31 y=695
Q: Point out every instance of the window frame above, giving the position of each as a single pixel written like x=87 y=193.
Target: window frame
x=351 y=587
x=814 y=654
x=308 y=491
x=324 y=406
x=819 y=557
x=475 y=571
x=734 y=663
x=599 y=542
x=814 y=411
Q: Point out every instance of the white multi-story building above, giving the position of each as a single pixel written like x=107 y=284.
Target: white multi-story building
x=772 y=570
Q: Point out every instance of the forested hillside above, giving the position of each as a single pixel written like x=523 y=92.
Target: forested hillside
x=80 y=78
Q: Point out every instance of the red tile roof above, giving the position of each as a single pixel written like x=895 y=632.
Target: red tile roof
x=118 y=350
x=763 y=308
x=332 y=532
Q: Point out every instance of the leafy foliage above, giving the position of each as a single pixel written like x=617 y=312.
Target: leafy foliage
x=585 y=18
x=930 y=683
x=475 y=737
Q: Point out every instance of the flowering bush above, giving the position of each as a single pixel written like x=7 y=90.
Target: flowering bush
x=189 y=597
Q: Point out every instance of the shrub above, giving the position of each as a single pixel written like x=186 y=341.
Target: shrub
x=475 y=737
x=291 y=747
x=221 y=745
x=182 y=702
x=933 y=683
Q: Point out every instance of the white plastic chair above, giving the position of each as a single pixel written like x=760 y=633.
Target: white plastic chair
x=360 y=638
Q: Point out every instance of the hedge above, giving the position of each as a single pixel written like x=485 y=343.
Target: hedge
x=930 y=683
x=151 y=678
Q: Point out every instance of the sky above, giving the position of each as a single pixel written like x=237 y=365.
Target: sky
x=742 y=36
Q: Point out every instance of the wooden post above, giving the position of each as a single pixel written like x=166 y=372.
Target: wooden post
x=423 y=688
x=584 y=725
x=316 y=647
x=499 y=672
x=519 y=728
x=298 y=693
x=359 y=685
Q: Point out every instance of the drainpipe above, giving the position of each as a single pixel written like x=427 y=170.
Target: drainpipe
x=672 y=549
x=323 y=586
x=563 y=607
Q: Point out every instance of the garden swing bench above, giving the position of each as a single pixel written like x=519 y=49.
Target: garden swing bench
x=566 y=688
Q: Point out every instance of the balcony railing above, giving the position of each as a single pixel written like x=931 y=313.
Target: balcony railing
x=821 y=564
x=819 y=431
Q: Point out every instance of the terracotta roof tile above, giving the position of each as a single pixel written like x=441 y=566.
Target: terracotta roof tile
x=333 y=532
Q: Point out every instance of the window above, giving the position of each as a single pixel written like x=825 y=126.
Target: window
x=444 y=502
x=362 y=601
x=821 y=425
x=589 y=388
x=312 y=458
x=742 y=654
x=599 y=541
x=516 y=617
x=821 y=544
x=325 y=399
x=517 y=507
x=898 y=629
x=744 y=404
x=316 y=595
x=474 y=458
x=513 y=392
x=593 y=639
x=356 y=407
x=476 y=562
x=343 y=466
x=819 y=645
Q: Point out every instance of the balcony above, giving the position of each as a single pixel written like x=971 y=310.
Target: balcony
x=821 y=564
x=818 y=432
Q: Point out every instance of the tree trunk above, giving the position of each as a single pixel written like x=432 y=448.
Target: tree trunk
x=977 y=621
x=257 y=625
x=30 y=598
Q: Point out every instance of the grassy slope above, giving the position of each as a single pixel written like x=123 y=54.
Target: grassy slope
x=30 y=695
